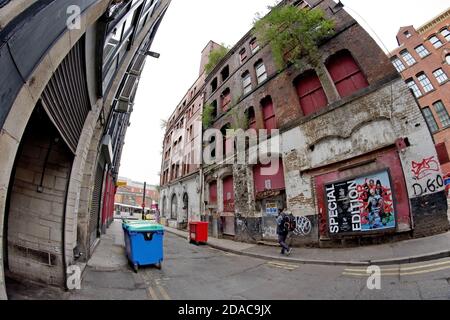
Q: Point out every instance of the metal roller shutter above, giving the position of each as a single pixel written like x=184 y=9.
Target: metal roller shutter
x=95 y=206
x=66 y=99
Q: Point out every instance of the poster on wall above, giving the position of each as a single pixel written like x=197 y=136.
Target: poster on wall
x=363 y=204
x=272 y=209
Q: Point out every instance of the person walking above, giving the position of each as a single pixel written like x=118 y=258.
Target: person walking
x=283 y=231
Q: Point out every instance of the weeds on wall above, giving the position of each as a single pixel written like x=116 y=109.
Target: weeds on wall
x=215 y=57
x=293 y=34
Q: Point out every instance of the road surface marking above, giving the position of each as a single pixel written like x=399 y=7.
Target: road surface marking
x=282 y=265
x=163 y=292
x=399 y=273
x=406 y=268
x=152 y=293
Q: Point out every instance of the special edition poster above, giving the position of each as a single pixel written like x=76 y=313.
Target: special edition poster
x=360 y=205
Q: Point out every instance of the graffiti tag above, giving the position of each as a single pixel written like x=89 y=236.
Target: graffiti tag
x=303 y=226
x=269 y=232
x=431 y=186
x=424 y=168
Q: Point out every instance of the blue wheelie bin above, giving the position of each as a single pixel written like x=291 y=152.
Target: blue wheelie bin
x=144 y=243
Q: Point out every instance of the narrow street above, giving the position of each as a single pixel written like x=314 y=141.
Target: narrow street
x=201 y=272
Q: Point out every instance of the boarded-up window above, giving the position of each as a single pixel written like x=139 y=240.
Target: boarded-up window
x=213 y=193
x=251 y=118
x=228 y=194
x=269 y=177
x=346 y=74
x=310 y=92
x=268 y=114
x=226 y=99
x=442 y=153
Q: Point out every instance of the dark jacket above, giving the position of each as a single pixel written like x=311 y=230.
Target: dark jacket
x=281 y=225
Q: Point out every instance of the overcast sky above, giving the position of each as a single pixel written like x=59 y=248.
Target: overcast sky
x=184 y=32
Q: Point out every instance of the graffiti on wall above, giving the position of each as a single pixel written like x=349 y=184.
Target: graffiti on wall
x=425 y=168
x=269 y=232
x=426 y=173
x=303 y=226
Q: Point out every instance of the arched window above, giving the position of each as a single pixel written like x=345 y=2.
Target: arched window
x=251 y=118
x=310 y=92
x=261 y=73
x=225 y=73
x=446 y=34
x=247 y=82
x=174 y=207
x=346 y=74
x=270 y=122
x=228 y=143
x=226 y=99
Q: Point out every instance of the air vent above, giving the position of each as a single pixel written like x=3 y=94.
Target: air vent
x=128 y=88
x=138 y=65
x=36 y=255
x=122 y=106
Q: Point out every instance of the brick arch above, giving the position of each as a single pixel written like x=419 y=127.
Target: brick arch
x=21 y=110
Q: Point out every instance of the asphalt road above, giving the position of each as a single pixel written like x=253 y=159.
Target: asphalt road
x=200 y=272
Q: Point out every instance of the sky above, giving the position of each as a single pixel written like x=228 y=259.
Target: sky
x=184 y=32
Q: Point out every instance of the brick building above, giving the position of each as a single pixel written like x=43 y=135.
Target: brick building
x=423 y=60
x=131 y=193
x=70 y=70
x=349 y=132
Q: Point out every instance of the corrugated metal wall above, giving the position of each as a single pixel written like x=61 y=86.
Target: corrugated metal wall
x=66 y=97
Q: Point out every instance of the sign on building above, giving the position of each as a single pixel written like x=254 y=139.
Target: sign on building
x=360 y=205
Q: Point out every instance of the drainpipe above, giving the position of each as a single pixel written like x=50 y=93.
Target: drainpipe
x=64 y=260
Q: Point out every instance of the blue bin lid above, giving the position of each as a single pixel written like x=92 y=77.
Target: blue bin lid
x=142 y=226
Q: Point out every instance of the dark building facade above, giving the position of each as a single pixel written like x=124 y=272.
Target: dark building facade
x=349 y=150
x=70 y=70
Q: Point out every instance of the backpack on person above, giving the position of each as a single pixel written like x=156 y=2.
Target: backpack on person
x=291 y=223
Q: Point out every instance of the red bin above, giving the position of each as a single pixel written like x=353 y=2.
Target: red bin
x=198 y=232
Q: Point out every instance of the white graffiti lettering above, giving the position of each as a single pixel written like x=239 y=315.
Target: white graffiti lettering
x=303 y=226
x=269 y=232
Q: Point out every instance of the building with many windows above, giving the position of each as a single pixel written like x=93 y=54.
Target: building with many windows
x=70 y=70
x=180 y=199
x=423 y=60
x=342 y=145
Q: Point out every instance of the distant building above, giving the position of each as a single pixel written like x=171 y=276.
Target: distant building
x=131 y=193
x=180 y=177
x=423 y=60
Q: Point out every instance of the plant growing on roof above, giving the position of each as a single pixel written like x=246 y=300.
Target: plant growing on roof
x=215 y=57
x=293 y=34
x=208 y=115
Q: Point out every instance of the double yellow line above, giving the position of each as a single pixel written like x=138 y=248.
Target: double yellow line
x=402 y=271
x=154 y=287
x=280 y=265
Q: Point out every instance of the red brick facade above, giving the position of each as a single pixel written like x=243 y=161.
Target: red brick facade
x=433 y=61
